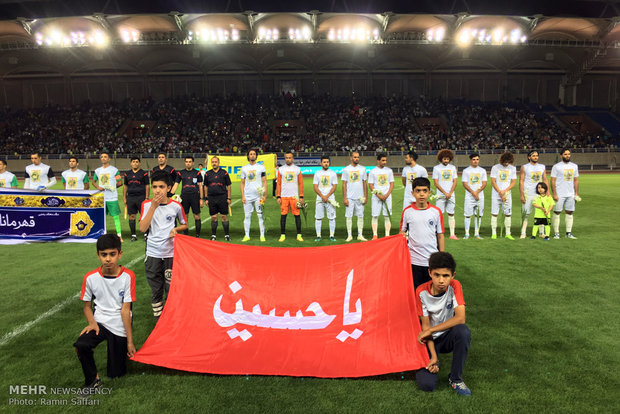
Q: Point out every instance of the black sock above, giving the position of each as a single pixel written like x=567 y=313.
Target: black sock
x=198 y=227
x=132 y=226
x=282 y=224
x=213 y=227
x=298 y=224
x=226 y=225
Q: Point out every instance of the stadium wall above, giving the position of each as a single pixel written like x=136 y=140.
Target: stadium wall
x=596 y=91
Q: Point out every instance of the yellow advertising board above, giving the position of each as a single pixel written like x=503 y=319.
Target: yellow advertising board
x=233 y=165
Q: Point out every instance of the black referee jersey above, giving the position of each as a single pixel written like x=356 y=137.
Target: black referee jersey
x=216 y=182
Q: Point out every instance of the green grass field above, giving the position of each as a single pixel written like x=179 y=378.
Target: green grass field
x=543 y=316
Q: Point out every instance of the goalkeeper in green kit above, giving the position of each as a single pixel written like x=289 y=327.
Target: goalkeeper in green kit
x=542 y=211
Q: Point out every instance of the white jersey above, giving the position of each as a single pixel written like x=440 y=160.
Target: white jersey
x=565 y=174
x=107 y=178
x=74 y=180
x=325 y=179
x=445 y=176
x=423 y=227
x=8 y=180
x=409 y=173
x=381 y=178
x=109 y=293
x=354 y=178
x=503 y=176
x=38 y=175
x=159 y=243
x=440 y=308
x=533 y=174
x=290 y=177
x=253 y=176
x=474 y=178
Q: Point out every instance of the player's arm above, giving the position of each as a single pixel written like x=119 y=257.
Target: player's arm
x=441 y=243
x=404 y=181
x=453 y=187
x=177 y=180
x=90 y=318
x=430 y=344
x=332 y=191
x=483 y=186
x=86 y=182
x=126 y=318
x=457 y=319
x=553 y=189
x=264 y=179
x=125 y=191
x=145 y=220
x=521 y=188
x=316 y=190
x=544 y=178
x=512 y=184
x=576 y=185
x=494 y=185
x=438 y=187
x=300 y=183
x=26 y=179
x=242 y=185
x=468 y=188
x=389 y=191
x=228 y=189
x=345 y=200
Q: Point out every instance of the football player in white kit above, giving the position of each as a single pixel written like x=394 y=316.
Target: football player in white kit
x=503 y=178
x=444 y=178
x=354 y=195
x=412 y=170
x=325 y=182
x=474 y=180
x=530 y=175
x=253 y=193
x=565 y=190
x=381 y=183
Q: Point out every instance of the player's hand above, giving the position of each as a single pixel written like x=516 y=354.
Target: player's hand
x=173 y=233
x=131 y=349
x=555 y=197
x=346 y=202
x=448 y=196
x=279 y=200
x=325 y=199
x=404 y=234
x=263 y=199
x=423 y=335
x=476 y=196
x=522 y=199
x=432 y=366
x=243 y=199
x=228 y=201
x=91 y=327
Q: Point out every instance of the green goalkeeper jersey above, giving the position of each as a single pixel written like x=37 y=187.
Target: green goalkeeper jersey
x=545 y=202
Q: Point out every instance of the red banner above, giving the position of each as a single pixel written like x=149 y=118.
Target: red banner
x=337 y=311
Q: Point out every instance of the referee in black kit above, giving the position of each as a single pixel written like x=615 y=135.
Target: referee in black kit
x=135 y=191
x=217 y=194
x=191 y=191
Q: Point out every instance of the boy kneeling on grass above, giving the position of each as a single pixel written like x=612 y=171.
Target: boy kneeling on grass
x=112 y=289
x=441 y=308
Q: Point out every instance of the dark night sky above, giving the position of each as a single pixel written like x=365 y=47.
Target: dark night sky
x=10 y=9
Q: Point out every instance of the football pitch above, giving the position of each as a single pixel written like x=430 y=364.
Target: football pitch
x=543 y=316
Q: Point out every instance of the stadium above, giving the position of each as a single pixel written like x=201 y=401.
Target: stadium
x=324 y=78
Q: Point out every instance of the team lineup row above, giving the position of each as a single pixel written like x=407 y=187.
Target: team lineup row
x=213 y=189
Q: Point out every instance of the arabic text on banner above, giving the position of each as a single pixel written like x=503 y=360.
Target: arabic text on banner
x=336 y=311
x=233 y=164
x=58 y=215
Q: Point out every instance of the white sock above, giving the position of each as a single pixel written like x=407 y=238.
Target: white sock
x=350 y=225
x=317 y=226
x=246 y=224
x=452 y=224
x=332 y=227
x=507 y=223
x=388 y=225
x=467 y=224
x=360 y=226
x=494 y=225
x=555 y=222
x=261 y=224
x=569 y=223
x=477 y=223
x=524 y=227
x=374 y=224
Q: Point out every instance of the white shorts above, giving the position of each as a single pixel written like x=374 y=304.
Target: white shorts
x=324 y=208
x=471 y=204
x=381 y=208
x=526 y=208
x=446 y=206
x=250 y=205
x=409 y=199
x=355 y=207
x=496 y=202
x=566 y=203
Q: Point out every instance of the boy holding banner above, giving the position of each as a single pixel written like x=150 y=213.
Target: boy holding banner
x=441 y=308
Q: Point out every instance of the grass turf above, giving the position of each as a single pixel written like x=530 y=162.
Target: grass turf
x=542 y=316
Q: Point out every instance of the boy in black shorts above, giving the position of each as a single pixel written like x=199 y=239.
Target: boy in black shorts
x=217 y=195
x=191 y=192
x=135 y=191
x=111 y=288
